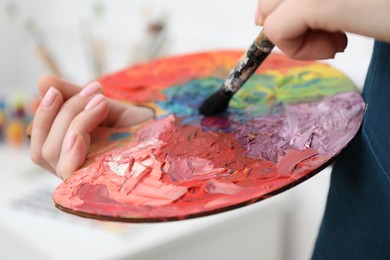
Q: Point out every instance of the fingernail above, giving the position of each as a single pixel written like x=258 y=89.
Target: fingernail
x=70 y=141
x=90 y=89
x=49 y=97
x=96 y=100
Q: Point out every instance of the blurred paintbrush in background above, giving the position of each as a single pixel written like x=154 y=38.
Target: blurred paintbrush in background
x=41 y=48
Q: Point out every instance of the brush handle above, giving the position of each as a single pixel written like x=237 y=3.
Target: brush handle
x=256 y=54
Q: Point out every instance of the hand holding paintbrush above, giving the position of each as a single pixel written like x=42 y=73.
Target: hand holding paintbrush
x=246 y=66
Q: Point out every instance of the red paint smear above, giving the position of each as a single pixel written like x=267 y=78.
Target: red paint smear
x=229 y=177
x=216 y=123
x=144 y=82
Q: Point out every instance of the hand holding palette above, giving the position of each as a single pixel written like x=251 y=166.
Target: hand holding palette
x=285 y=124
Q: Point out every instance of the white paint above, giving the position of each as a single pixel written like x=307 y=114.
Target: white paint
x=119 y=169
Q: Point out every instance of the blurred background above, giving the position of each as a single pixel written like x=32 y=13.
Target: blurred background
x=80 y=40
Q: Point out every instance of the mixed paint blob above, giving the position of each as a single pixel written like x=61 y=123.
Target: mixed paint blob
x=285 y=124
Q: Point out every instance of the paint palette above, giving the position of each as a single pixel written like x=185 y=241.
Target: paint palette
x=286 y=123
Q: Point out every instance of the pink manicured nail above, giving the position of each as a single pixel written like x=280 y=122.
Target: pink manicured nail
x=71 y=139
x=96 y=100
x=49 y=97
x=90 y=89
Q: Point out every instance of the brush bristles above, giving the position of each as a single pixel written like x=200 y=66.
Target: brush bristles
x=215 y=104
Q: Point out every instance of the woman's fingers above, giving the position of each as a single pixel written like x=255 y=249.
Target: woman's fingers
x=77 y=139
x=264 y=8
x=67 y=115
x=51 y=149
x=314 y=45
x=303 y=34
x=44 y=117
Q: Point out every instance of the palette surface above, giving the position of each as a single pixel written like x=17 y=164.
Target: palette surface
x=286 y=123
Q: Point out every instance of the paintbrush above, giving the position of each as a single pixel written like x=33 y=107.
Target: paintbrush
x=246 y=66
x=42 y=51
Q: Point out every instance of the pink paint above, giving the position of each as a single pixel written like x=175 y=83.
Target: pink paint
x=188 y=168
x=170 y=177
x=291 y=158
